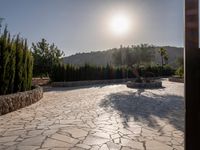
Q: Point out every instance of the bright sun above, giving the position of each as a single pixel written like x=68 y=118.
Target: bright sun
x=120 y=24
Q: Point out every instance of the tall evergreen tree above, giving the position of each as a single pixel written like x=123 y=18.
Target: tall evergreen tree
x=24 y=83
x=11 y=64
x=19 y=65
x=4 y=60
x=45 y=57
x=15 y=64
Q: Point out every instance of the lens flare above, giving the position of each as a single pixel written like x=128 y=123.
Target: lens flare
x=120 y=24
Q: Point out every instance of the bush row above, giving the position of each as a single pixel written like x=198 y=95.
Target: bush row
x=156 y=70
x=16 y=64
x=71 y=73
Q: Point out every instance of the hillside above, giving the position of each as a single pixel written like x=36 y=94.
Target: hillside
x=105 y=57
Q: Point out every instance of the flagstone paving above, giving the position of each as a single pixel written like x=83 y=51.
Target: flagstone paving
x=102 y=117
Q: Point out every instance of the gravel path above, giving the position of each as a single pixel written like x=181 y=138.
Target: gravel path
x=104 y=117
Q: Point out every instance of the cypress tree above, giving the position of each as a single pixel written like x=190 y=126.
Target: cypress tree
x=11 y=70
x=24 y=61
x=19 y=65
x=15 y=64
x=4 y=62
x=29 y=69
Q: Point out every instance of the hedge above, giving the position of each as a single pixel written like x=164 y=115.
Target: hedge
x=62 y=72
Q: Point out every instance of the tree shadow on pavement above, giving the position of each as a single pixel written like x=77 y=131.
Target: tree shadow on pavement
x=61 y=89
x=142 y=105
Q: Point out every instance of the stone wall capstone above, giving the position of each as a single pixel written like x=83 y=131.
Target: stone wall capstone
x=12 y=102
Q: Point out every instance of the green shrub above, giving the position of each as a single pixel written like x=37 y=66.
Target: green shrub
x=156 y=70
x=168 y=71
x=180 y=72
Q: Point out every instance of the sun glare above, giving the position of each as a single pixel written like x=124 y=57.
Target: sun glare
x=120 y=24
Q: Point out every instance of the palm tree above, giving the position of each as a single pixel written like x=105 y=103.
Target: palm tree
x=164 y=56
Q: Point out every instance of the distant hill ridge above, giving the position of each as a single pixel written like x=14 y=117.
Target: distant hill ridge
x=102 y=58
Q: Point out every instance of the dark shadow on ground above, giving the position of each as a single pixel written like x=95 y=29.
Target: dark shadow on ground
x=142 y=105
x=60 y=89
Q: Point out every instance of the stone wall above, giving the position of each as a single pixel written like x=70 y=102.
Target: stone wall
x=176 y=79
x=12 y=102
x=93 y=82
x=150 y=85
x=85 y=83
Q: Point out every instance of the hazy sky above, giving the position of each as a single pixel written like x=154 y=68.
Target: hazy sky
x=84 y=25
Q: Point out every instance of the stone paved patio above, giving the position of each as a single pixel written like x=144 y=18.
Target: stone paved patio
x=105 y=117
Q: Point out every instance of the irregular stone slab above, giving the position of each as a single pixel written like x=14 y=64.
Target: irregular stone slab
x=77 y=148
x=56 y=143
x=126 y=148
x=154 y=145
x=125 y=131
x=69 y=121
x=168 y=128
x=117 y=140
x=95 y=140
x=33 y=141
x=75 y=132
x=49 y=132
x=83 y=146
x=114 y=136
x=178 y=147
x=35 y=132
x=27 y=147
x=91 y=124
x=113 y=146
x=10 y=143
x=132 y=144
x=178 y=140
x=104 y=147
x=14 y=147
x=14 y=132
x=8 y=139
x=58 y=126
x=95 y=148
x=148 y=133
x=19 y=139
x=164 y=139
x=177 y=134
x=64 y=138
x=135 y=130
x=103 y=122
x=102 y=134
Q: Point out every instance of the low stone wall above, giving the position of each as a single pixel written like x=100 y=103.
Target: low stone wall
x=176 y=79
x=40 y=81
x=91 y=82
x=12 y=102
x=150 y=85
